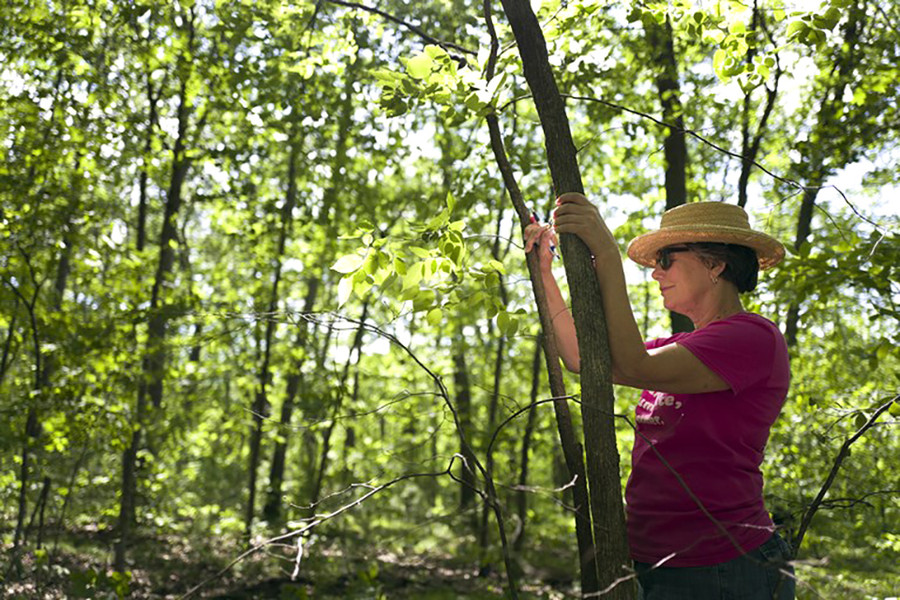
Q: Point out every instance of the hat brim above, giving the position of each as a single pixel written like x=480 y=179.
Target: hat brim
x=643 y=248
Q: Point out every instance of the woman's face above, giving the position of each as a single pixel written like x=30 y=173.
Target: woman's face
x=686 y=281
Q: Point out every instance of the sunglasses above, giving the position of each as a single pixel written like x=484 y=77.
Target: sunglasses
x=664 y=256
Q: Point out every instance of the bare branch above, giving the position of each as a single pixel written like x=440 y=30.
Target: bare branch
x=315 y=522
x=842 y=454
x=409 y=26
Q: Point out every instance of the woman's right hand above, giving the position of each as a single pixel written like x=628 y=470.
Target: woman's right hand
x=544 y=238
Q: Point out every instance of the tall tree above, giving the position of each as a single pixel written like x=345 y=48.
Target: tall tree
x=152 y=378
x=662 y=50
x=607 y=509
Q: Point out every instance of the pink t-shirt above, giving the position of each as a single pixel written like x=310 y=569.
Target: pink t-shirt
x=715 y=442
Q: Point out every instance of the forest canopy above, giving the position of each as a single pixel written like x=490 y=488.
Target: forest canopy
x=266 y=322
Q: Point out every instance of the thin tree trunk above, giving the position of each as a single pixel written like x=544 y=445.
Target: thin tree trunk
x=804 y=228
x=144 y=174
x=814 y=168
x=495 y=394
x=572 y=450
x=38 y=513
x=273 y=509
x=154 y=361
x=353 y=357
x=8 y=344
x=522 y=494
x=750 y=143
x=329 y=215
x=662 y=48
x=58 y=527
x=607 y=508
x=464 y=408
x=491 y=425
x=32 y=426
x=260 y=409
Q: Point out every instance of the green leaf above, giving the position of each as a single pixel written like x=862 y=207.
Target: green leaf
x=424 y=300
x=345 y=288
x=451 y=202
x=435 y=316
x=419 y=66
x=719 y=61
x=348 y=263
x=796 y=29
x=895 y=408
x=737 y=27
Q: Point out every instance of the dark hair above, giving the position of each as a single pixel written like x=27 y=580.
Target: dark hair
x=741 y=262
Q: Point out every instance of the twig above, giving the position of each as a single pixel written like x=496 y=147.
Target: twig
x=842 y=454
x=317 y=520
x=689 y=132
x=409 y=26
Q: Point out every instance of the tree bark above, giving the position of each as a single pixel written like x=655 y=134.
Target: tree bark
x=750 y=143
x=260 y=409
x=662 y=48
x=607 y=508
x=572 y=451
x=352 y=358
x=273 y=510
x=483 y=533
x=524 y=453
x=819 y=161
x=464 y=408
x=154 y=362
x=8 y=349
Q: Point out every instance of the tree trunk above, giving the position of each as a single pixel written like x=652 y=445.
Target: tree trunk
x=814 y=169
x=273 y=510
x=598 y=410
x=495 y=394
x=572 y=450
x=804 y=228
x=8 y=350
x=464 y=408
x=154 y=362
x=144 y=174
x=750 y=143
x=352 y=358
x=491 y=425
x=260 y=409
x=662 y=48
x=522 y=494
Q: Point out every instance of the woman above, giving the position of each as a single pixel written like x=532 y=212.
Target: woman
x=697 y=525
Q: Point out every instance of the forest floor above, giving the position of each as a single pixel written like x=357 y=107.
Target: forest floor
x=168 y=568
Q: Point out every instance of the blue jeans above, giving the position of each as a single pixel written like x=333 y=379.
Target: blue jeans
x=756 y=575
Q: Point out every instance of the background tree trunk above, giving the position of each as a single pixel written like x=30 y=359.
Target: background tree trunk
x=522 y=494
x=260 y=409
x=154 y=362
x=662 y=48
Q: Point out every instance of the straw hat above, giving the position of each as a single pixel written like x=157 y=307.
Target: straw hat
x=705 y=222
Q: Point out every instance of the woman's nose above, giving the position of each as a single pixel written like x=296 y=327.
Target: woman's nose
x=657 y=273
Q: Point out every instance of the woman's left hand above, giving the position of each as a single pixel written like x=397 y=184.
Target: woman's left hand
x=575 y=214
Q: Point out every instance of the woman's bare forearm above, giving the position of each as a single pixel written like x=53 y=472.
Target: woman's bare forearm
x=626 y=345
x=563 y=325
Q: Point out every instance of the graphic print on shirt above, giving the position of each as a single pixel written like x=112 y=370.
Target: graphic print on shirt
x=658 y=413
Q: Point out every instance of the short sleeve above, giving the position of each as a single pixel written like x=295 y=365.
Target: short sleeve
x=740 y=350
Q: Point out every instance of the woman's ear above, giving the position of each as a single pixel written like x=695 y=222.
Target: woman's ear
x=717 y=268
